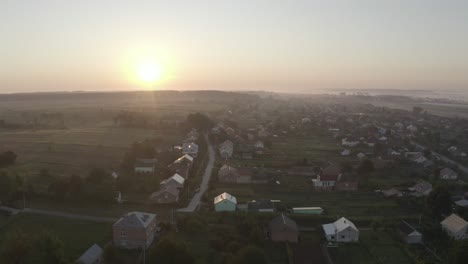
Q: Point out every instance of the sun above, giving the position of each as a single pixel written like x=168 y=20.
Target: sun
x=149 y=72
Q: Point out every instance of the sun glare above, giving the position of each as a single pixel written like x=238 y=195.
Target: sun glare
x=149 y=72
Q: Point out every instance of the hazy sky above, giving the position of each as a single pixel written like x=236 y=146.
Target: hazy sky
x=240 y=44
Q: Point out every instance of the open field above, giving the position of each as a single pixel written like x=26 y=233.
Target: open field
x=373 y=247
x=77 y=236
x=287 y=150
x=72 y=150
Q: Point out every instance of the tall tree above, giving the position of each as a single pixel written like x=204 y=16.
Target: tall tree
x=439 y=201
x=170 y=251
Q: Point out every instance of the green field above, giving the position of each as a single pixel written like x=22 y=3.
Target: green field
x=373 y=247
x=76 y=235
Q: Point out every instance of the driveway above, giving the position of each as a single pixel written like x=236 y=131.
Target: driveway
x=195 y=202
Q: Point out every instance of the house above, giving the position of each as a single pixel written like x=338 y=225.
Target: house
x=145 y=165
x=350 y=142
x=226 y=149
x=392 y=192
x=327 y=178
x=283 y=229
x=462 y=203
x=261 y=206
x=342 y=230
x=245 y=151
x=408 y=234
x=448 y=174
x=182 y=166
x=165 y=195
x=361 y=155
x=259 y=147
x=325 y=182
x=456 y=227
x=135 y=230
x=225 y=203
x=92 y=256
x=175 y=180
x=190 y=149
x=230 y=174
x=345 y=152
x=422 y=188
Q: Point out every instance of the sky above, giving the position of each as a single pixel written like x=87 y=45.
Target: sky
x=273 y=45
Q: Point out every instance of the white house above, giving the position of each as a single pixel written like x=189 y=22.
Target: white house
x=190 y=149
x=342 y=230
x=145 y=165
x=349 y=142
x=225 y=203
x=226 y=149
x=175 y=180
x=346 y=152
x=448 y=174
x=456 y=227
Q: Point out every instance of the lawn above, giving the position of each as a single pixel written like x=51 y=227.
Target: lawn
x=76 y=235
x=374 y=247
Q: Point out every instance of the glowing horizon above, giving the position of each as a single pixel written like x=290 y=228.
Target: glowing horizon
x=260 y=45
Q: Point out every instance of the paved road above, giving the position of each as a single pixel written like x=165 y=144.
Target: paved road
x=444 y=158
x=195 y=202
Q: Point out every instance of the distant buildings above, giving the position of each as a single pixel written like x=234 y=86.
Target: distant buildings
x=342 y=230
x=135 y=230
x=448 y=174
x=226 y=149
x=165 y=195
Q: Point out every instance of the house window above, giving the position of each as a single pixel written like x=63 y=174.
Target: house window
x=332 y=237
x=342 y=237
x=122 y=233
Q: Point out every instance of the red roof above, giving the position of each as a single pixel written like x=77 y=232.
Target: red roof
x=327 y=177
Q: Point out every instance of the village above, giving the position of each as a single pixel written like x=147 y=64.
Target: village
x=302 y=181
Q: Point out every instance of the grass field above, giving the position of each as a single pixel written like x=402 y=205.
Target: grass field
x=76 y=235
x=72 y=150
x=373 y=247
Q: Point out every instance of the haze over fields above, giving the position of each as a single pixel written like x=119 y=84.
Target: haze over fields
x=294 y=46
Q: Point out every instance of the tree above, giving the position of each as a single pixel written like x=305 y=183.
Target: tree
x=50 y=248
x=59 y=188
x=16 y=248
x=169 y=251
x=366 y=167
x=249 y=255
x=76 y=186
x=199 y=121
x=6 y=186
x=7 y=158
x=439 y=201
x=459 y=253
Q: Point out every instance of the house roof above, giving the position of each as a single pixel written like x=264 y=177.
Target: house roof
x=462 y=203
x=454 y=223
x=169 y=189
x=343 y=223
x=145 y=162
x=331 y=170
x=135 y=219
x=328 y=177
x=176 y=177
x=260 y=205
x=406 y=228
x=421 y=187
x=447 y=171
x=91 y=255
x=281 y=222
x=225 y=196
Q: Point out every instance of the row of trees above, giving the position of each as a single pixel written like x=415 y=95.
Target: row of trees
x=26 y=248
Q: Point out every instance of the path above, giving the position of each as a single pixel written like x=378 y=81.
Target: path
x=195 y=202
